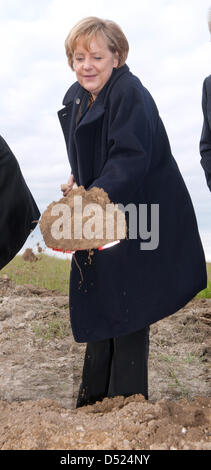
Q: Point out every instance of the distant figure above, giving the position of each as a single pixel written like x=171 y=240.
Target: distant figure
x=205 y=142
x=19 y=213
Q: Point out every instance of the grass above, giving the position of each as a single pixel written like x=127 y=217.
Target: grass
x=54 y=329
x=192 y=358
x=189 y=359
x=177 y=382
x=53 y=273
x=49 y=272
x=205 y=293
x=165 y=357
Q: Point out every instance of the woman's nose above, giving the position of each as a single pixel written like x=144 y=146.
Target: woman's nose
x=87 y=64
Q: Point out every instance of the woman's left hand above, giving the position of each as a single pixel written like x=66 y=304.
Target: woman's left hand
x=66 y=188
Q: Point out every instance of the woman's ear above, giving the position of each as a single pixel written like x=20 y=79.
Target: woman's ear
x=116 y=60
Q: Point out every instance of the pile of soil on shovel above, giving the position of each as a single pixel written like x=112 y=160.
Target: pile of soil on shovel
x=66 y=221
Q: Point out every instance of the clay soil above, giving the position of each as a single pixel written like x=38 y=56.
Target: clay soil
x=40 y=370
x=68 y=233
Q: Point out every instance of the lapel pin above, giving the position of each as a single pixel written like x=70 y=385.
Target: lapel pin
x=77 y=100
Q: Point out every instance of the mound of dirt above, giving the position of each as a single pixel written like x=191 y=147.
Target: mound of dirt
x=82 y=220
x=28 y=255
x=41 y=367
x=116 y=423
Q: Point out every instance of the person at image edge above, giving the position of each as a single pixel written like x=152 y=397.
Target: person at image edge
x=19 y=213
x=205 y=141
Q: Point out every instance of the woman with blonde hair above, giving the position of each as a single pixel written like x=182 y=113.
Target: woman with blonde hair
x=116 y=140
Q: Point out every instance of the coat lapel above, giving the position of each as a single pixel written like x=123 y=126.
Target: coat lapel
x=67 y=117
x=81 y=141
x=87 y=140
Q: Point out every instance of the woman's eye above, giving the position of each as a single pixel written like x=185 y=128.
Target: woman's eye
x=79 y=59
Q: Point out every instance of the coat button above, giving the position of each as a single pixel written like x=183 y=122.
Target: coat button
x=77 y=100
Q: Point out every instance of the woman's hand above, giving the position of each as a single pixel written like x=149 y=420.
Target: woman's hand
x=66 y=188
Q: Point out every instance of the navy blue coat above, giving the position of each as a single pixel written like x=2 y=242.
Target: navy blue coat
x=205 y=142
x=18 y=209
x=121 y=145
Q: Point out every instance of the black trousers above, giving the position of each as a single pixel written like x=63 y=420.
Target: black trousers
x=115 y=366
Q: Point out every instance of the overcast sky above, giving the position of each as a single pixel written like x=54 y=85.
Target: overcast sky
x=170 y=51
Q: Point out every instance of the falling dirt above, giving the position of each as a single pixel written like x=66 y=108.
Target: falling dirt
x=41 y=366
x=39 y=248
x=70 y=223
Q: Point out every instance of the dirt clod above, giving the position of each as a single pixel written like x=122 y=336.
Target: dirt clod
x=70 y=223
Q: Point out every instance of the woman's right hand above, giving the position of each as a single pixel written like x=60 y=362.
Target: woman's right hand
x=66 y=188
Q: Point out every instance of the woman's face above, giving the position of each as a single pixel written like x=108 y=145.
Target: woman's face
x=93 y=67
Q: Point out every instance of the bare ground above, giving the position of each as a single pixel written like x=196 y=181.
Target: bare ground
x=40 y=370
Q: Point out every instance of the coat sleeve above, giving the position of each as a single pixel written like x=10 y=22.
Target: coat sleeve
x=205 y=141
x=129 y=145
x=18 y=210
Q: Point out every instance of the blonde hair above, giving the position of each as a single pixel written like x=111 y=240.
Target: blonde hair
x=90 y=26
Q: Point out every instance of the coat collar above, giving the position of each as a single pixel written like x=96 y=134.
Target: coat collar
x=76 y=91
x=74 y=136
